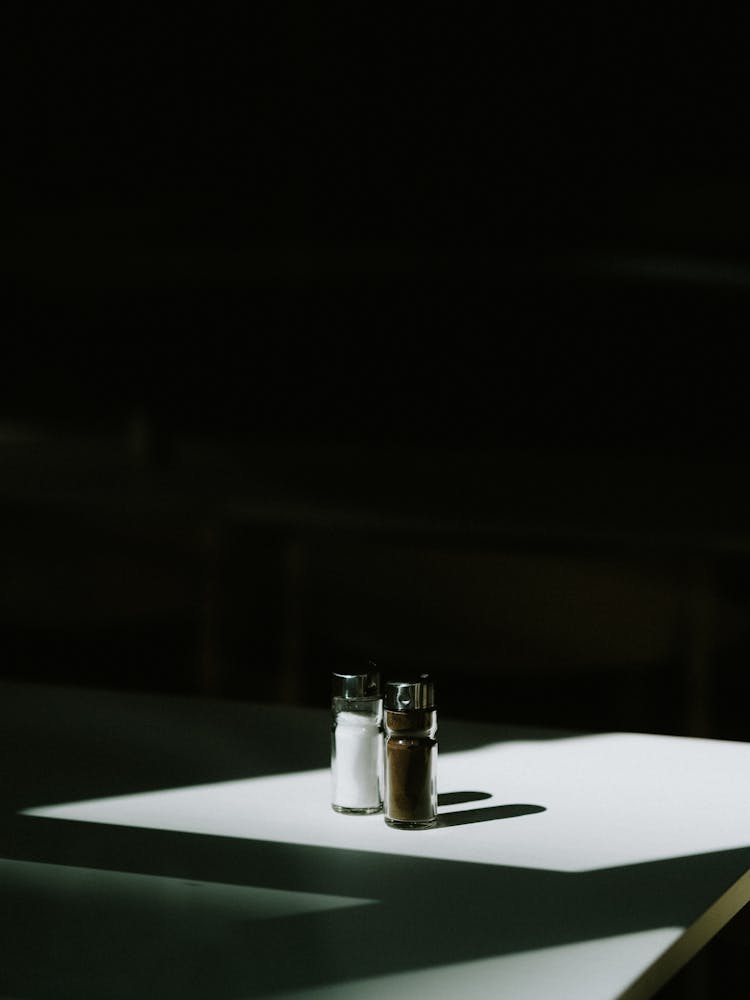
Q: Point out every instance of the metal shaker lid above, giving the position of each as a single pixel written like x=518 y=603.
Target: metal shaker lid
x=366 y=685
x=404 y=696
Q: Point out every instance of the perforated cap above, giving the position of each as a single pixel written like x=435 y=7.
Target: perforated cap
x=403 y=696
x=366 y=685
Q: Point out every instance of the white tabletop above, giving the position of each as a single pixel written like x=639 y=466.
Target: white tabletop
x=583 y=866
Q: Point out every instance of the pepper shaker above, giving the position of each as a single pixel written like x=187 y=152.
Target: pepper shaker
x=357 y=742
x=410 y=753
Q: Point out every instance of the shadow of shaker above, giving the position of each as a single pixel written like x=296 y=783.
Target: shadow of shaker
x=486 y=813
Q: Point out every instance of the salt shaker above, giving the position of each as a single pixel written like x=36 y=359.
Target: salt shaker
x=410 y=753
x=357 y=742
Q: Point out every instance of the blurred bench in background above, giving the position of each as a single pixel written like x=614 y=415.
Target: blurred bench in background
x=559 y=588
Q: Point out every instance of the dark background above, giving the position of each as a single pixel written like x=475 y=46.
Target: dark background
x=334 y=333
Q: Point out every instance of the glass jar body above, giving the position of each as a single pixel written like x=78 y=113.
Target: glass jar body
x=411 y=768
x=357 y=755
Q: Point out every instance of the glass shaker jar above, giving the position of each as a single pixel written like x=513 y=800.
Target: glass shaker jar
x=410 y=753
x=357 y=742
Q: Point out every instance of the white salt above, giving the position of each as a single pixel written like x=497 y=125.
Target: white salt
x=357 y=765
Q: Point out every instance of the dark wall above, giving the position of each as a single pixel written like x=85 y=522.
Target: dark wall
x=332 y=334
x=290 y=220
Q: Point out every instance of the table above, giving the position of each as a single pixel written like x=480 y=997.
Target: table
x=170 y=847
